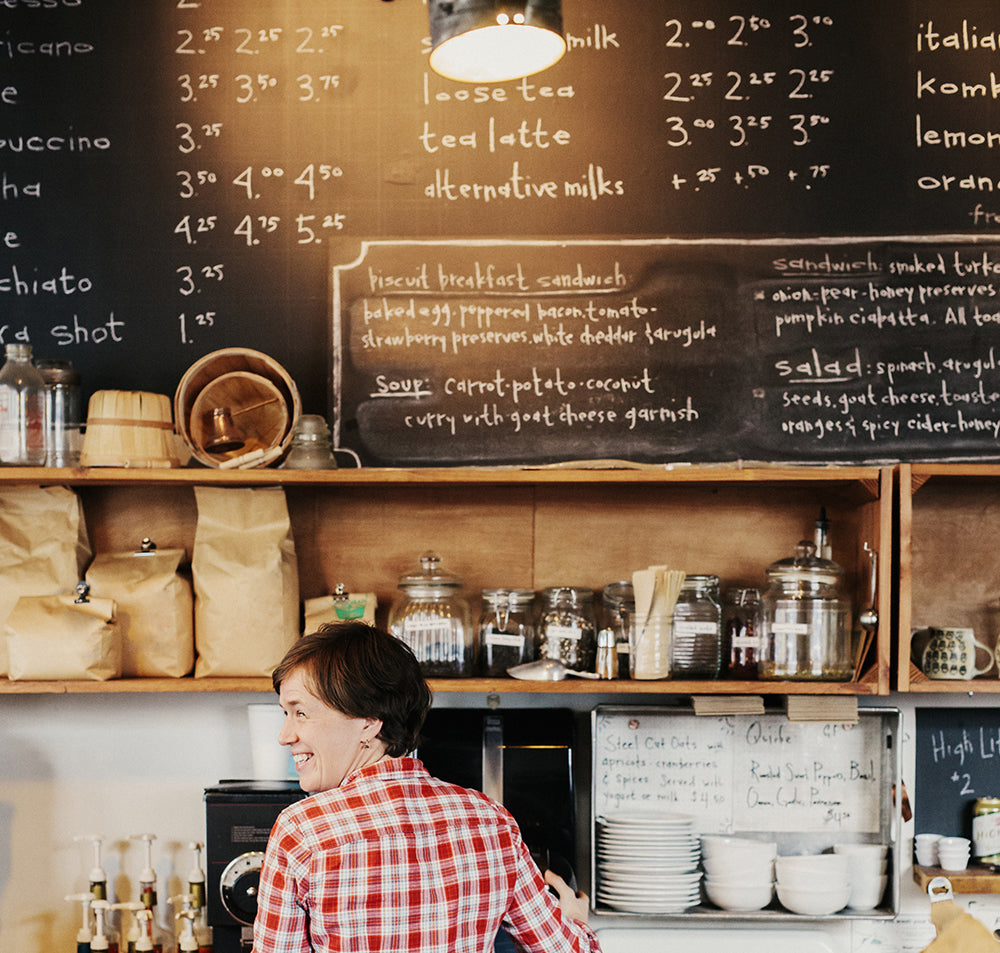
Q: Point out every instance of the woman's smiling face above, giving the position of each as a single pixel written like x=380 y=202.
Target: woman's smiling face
x=325 y=743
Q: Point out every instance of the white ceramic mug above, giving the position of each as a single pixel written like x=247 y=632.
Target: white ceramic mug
x=951 y=653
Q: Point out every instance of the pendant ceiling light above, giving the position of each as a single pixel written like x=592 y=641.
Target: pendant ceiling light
x=491 y=41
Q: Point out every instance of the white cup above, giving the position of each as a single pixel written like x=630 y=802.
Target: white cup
x=927 y=849
x=270 y=759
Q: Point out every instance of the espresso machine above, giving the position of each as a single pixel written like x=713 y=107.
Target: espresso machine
x=239 y=816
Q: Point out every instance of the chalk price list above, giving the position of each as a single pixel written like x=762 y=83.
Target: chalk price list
x=749 y=107
x=245 y=209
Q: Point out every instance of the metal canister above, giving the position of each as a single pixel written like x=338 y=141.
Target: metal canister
x=986 y=830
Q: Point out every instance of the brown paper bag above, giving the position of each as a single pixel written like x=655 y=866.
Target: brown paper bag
x=43 y=546
x=246 y=583
x=155 y=609
x=55 y=637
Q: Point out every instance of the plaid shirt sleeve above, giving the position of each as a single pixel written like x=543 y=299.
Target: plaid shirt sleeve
x=394 y=861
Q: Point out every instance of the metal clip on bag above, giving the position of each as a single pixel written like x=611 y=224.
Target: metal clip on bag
x=64 y=637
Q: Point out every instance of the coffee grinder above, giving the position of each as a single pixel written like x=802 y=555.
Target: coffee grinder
x=239 y=816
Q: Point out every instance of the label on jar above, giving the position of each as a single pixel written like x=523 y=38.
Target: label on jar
x=504 y=638
x=790 y=628
x=695 y=627
x=986 y=834
x=563 y=632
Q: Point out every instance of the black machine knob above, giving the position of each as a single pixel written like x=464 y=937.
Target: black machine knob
x=239 y=883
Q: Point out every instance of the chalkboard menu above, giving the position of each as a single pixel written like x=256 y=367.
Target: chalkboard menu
x=646 y=349
x=747 y=773
x=957 y=761
x=173 y=172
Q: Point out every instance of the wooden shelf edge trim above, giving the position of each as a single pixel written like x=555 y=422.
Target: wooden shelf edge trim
x=867 y=477
x=489 y=686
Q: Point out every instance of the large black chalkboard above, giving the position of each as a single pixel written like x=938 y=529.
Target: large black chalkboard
x=172 y=171
x=957 y=761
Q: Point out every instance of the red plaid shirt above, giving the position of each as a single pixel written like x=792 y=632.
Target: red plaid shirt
x=395 y=861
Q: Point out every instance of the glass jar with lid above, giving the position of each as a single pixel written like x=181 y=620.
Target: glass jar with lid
x=740 y=643
x=567 y=629
x=506 y=629
x=804 y=623
x=432 y=617
x=696 y=644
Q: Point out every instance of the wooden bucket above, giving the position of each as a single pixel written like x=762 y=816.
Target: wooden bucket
x=128 y=428
x=261 y=397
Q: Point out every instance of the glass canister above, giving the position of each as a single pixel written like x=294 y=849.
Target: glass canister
x=804 y=623
x=310 y=448
x=566 y=627
x=696 y=646
x=617 y=601
x=506 y=629
x=740 y=643
x=432 y=617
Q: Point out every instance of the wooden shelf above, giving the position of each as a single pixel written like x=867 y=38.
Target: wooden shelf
x=949 y=516
x=971 y=880
x=585 y=524
x=486 y=686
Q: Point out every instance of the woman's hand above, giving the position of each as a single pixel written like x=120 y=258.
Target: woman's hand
x=574 y=905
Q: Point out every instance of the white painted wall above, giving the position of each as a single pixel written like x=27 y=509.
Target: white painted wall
x=124 y=764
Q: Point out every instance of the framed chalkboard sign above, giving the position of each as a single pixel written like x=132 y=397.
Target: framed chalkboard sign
x=482 y=350
x=957 y=761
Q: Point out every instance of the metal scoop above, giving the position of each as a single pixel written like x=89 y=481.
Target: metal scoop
x=546 y=670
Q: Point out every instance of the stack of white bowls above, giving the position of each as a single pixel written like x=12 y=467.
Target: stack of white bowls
x=953 y=853
x=866 y=867
x=739 y=871
x=813 y=884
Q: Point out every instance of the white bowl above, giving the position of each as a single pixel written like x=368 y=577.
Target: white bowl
x=744 y=848
x=953 y=861
x=954 y=843
x=817 y=902
x=866 y=894
x=739 y=896
x=866 y=851
x=733 y=869
x=829 y=869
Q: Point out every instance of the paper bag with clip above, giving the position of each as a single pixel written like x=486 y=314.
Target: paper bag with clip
x=957 y=931
x=43 y=545
x=155 y=608
x=63 y=637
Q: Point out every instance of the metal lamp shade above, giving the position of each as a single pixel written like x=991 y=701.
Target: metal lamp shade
x=491 y=41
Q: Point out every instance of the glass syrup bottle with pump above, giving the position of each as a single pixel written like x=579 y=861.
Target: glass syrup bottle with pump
x=196 y=889
x=147 y=889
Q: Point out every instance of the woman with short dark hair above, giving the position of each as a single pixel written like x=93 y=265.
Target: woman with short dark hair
x=384 y=857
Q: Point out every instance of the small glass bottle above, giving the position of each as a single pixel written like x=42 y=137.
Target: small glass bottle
x=739 y=633
x=63 y=413
x=22 y=410
x=506 y=629
x=566 y=628
x=696 y=646
x=310 y=449
x=617 y=602
x=432 y=617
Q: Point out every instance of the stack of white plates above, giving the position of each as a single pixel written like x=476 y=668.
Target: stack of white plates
x=647 y=863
